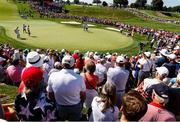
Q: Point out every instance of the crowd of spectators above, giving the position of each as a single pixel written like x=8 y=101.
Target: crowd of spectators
x=162 y=20
x=60 y=85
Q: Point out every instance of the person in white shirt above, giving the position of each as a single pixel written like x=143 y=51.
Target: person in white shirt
x=119 y=76
x=103 y=106
x=145 y=65
x=101 y=72
x=161 y=74
x=68 y=90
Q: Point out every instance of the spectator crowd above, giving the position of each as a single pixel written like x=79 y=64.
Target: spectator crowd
x=59 y=85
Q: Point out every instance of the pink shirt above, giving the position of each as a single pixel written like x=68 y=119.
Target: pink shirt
x=156 y=113
x=14 y=72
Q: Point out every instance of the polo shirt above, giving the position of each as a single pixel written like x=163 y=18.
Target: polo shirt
x=156 y=112
x=100 y=71
x=14 y=72
x=147 y=64
x=119 y=76
x=66 y=86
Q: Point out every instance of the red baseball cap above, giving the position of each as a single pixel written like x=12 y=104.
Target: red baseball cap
x=31 y=76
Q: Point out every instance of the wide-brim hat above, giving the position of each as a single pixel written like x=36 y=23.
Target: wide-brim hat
x=147 y=54
x=34 y=59
x=164 y=52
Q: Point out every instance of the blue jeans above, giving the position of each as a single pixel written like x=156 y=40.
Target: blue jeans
x=69 y=112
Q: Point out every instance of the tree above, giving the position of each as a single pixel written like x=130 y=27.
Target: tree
x=97 y=1
x=76 y=1
x=141 y=3
x=68 y=2
x=157 y=4
x=134 y=5
x=104 y=3
x=120 y=3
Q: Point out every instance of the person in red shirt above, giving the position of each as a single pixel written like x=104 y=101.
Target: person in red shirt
x=80 y=62
x=91 y=80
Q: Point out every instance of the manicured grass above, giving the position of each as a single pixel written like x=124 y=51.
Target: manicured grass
x=8 y=11
x=47 y=34
x=10 y=91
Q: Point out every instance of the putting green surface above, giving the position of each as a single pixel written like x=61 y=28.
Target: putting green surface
x=48 y=34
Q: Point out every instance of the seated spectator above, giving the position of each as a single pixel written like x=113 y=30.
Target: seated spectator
x=14 y=72
x=133 y=106
x=103 y=106
x=156 y=109
x=32 y=104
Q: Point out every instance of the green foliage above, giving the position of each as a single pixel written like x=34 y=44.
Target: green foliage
x=157 y=4
x=10 y=91
x=76 y=1
x=68 y=2
x=120 y=3
x=97 y=1
x=141 y=3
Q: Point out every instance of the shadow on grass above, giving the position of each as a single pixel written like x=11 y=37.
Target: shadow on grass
x=23 y=38
x=33 y=36
x=90 y=31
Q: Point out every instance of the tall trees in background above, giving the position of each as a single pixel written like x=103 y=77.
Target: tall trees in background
x=97 y=1
x=120 y=3
x=141 y=3
x=76 y=1
x=157 y=4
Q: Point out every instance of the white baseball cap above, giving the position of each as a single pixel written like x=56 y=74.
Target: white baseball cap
x=68 y=60
x=162 y=71
x=120 y=59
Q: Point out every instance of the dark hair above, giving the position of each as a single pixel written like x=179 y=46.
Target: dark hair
x=15 y=62
x=90 y=66
x=108 y=96
x=134 y=106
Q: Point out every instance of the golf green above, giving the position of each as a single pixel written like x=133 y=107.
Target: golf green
x=48 y=34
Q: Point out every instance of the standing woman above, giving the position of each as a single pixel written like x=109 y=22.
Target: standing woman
x=103 y=106
x=91 y=81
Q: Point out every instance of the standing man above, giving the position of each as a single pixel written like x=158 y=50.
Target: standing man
x=17 y=32
x=24 y=28
x=68 y=89
x=28 y=30
x=119 y=75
